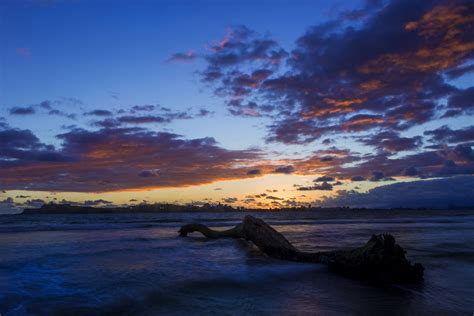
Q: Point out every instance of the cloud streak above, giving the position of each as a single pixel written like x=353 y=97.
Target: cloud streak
x=187 y=57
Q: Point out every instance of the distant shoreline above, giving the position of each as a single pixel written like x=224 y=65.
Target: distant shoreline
x=219 y=208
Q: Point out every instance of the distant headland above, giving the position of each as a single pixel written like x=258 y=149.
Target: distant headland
x=53 y=208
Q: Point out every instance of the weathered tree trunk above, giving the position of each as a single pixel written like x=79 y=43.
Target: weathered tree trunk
x=380 y=259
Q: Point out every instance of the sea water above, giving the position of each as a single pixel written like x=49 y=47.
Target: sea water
x=136 y=264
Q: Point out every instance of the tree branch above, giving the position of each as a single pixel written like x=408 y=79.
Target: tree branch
x=380 y=259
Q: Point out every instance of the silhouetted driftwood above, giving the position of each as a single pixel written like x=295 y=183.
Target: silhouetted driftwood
x=380 y=259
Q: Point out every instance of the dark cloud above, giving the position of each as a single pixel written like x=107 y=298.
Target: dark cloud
x=462 y=153
x=462 y=100
x=190 y=56
x=321 y=187
x=242 y=48
x=114 y=159
x=71 y=116
x=244 y=45
x=444 y=134
x=161 y=115
x=438 y=193
x=326 y=161
x=69 y=100
x=324 y=179
x=22 y=196
x=144 y=108
x=204 y=113
x=47 y=106
x=386 y=165
x=411 y=171
x=178 y=116
x=460 y=71
x=275 y=198
x=96 y=202
x=254 y=172
x=3 y=123
x=327 y=141
x=286 y=169
x=27 y=110
x=147 y=119
x=363 y=13
x=107 y=123
x=148 y=173
x=18 y=146
x=130 y=119
x=230 y=200
x=99 y=112
x=424 y=164
x=377 y=176
x=391 y=141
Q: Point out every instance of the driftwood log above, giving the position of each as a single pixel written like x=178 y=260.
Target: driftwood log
x=380 y=260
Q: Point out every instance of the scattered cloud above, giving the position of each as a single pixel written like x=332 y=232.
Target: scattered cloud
x=321 y=187
x=230 y=200
x=381 y=76
x=144 y=108
x=97 y=202
x=71 y=116
x=47 y=107
x=446 y=135
x=254 y=172
x=27 y=110
x=285 y=170
x=324 y=179
x=99 y=112
x=204 y=112
x=187 y=57
x=116 y=159
x=275 y=198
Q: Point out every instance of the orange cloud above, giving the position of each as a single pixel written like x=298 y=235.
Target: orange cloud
x=344 y=102
x=371 y=85
x=444 y=45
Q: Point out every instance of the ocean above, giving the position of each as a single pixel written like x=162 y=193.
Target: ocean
x=136 y=264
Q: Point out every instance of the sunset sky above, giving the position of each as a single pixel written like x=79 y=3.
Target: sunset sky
x=248 y=103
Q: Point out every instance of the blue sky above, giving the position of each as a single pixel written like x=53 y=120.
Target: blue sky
x=92 y=49
x=332 y=92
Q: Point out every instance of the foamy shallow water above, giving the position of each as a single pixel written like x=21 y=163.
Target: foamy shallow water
x=135 y=264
